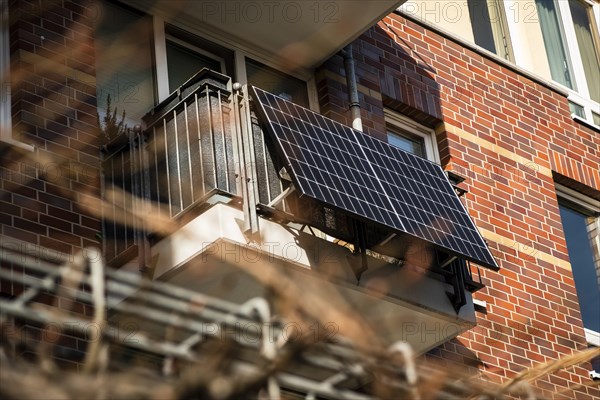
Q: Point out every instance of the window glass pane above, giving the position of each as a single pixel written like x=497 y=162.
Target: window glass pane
x=481 y=23
x=553 y=42
x=587 y=46
x=183 y=63
x=124 y=63
x=276 y=82
x=595 y=364
x=489 y=26
x=415 y=145
x=5 y=94
x=577 y=110
x=579 y=244
x=499 y=28
x=596 y=118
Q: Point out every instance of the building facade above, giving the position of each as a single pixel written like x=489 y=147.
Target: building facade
x=500 y=93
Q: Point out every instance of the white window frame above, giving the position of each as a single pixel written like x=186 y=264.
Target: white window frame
x=579 y=94
x=6 y=135
x=196 y=49
x=592 y=337
x=589 y=106
x=240 y=51
x=502 y=8
x=396 y=120
x=160 y=51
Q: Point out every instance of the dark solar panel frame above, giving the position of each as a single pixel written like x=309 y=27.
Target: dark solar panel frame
x=371 y=179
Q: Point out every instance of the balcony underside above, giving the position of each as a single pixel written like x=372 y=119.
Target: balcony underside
x=301 y=34
x=211 y=254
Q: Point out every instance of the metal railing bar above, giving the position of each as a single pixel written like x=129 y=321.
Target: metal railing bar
x=232 y=319
x=144 y=201
x=80 y=325
x=123 y=202
x=328 y=391
x=211 y=136
x=241 y=157
x=166 y=147
x=200 y=150
x=112 y=223
x=154 y=172
x=236 y=145
x=142 y=342
x=266 y=167
x=48 y=283
x=183 y=97
x=250 y=160
x=148 y=313
x=176 y=135
x=224 y=141
x=136 y=187
x=189 y=146
x=138 y=282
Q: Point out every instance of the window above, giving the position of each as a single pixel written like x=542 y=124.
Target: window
x=577 y=110
x=570 y=34
x=553 y=42
x=407 y=141
x=277 y=82
x=581 y=226
x=5 y=96
x=410 y=136
x=587 y=38
x=595 y=372
x=142 y=59
x=490 y=29
x=6 y=132
x=580 y=113
x=180 y=55
x=124 y=63
x=185 y=60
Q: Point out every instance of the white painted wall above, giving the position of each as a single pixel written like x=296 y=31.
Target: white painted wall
x=450 y=15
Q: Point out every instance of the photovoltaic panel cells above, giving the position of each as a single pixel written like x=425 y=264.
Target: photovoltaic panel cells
x=357 y=173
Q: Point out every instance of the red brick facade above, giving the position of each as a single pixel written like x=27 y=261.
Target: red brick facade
x=512 y=138
x=53 y=108
x=43 y=194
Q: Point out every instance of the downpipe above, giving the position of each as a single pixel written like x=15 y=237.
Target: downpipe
x=350 y=70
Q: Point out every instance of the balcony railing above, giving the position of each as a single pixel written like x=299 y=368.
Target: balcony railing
x=203 y=139
x=121 y=161
x=191 y=146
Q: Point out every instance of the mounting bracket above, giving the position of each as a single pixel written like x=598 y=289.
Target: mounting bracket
x=281 y=196
x=455 y=276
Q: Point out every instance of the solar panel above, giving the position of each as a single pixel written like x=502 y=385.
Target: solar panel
x=369 y=178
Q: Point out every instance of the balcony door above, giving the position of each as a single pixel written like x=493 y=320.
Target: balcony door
x=184 y=60
x=123 y=45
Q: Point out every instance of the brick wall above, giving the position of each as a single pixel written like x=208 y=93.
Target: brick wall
x=53 y=108
x=42 y=193
x=512 y=138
